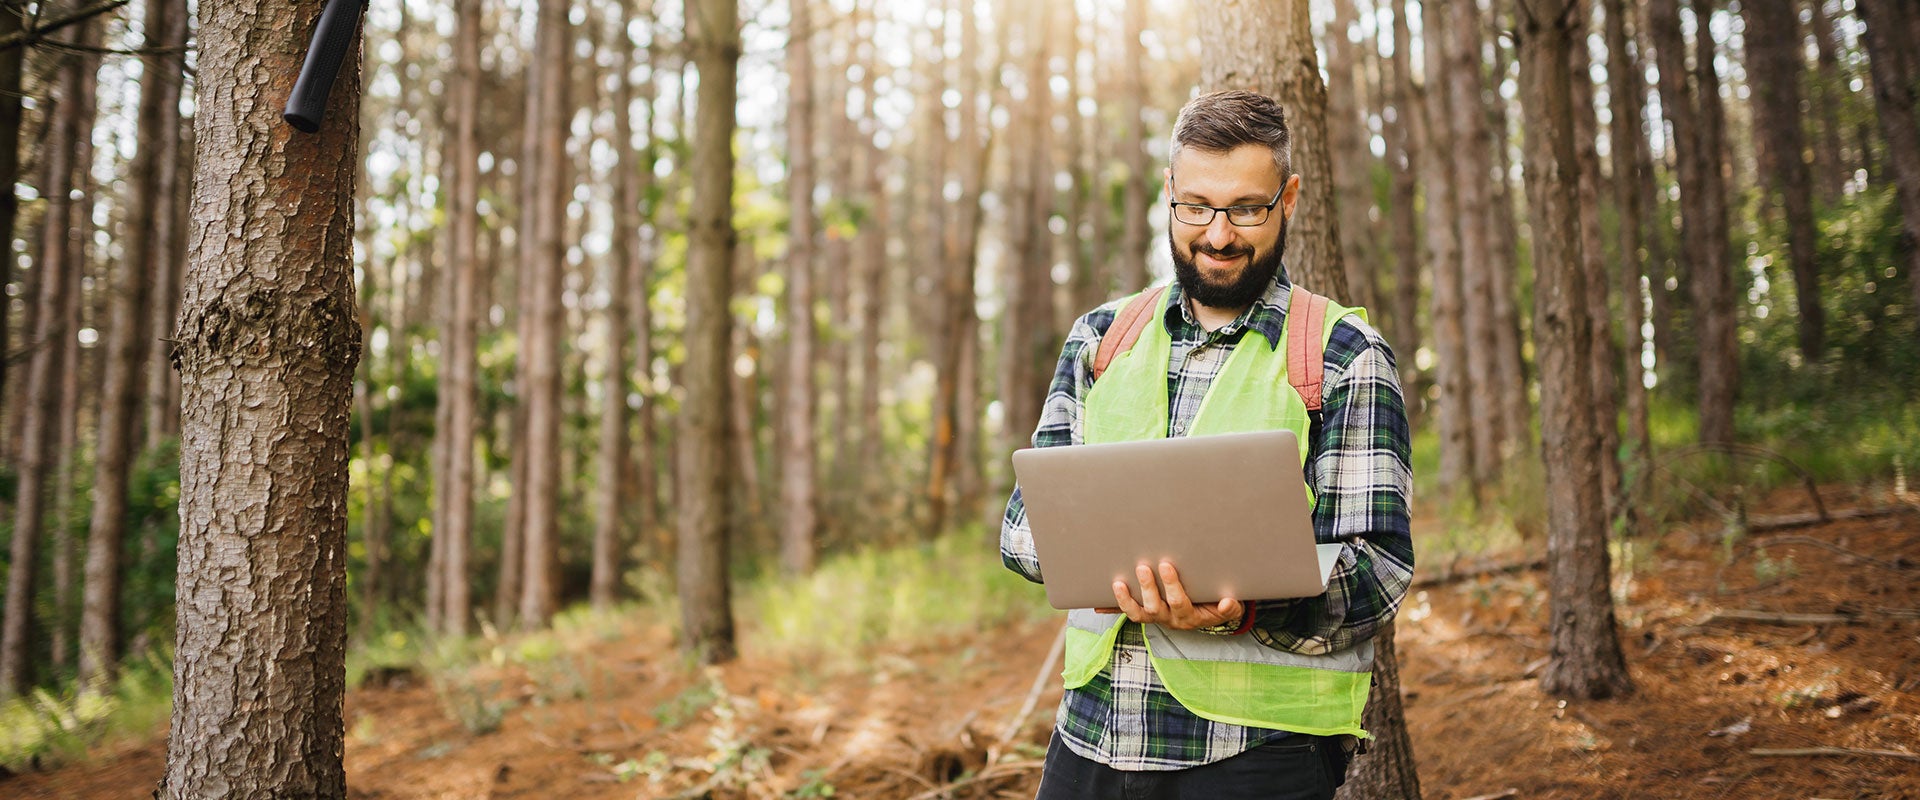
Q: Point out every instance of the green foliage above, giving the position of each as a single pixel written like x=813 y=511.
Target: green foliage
x=51 y=726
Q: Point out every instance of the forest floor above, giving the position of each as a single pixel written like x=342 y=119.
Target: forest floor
x=1714 y=693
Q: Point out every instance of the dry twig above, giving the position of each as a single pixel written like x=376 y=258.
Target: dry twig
x=1834 y=751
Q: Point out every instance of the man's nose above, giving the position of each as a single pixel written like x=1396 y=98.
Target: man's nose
x=1219 y=231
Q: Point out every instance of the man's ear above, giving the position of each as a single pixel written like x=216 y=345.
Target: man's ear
x=1289 y=195
x=1166 y=182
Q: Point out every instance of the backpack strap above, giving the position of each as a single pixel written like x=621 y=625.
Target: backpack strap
x=1126 y=327
x=1306 y=349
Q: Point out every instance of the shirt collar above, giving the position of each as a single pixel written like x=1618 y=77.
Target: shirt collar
x=1267 y=315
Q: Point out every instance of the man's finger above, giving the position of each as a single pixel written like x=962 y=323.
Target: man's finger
x=1127 y=606
x=1176 y=592
x=1231 y=609
x=1149 y=593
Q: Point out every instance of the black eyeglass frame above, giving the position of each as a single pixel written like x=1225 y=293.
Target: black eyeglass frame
x=1173 y=207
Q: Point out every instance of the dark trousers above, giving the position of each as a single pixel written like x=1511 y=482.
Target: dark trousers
x=1298 y=767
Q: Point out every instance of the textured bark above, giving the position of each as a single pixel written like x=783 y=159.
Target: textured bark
x=1443 y=254
x=269 y=342
x=1388 y=769
x=1585 y=658
x=11 y=23
x=1402 y=135
x=799 y=515
x=646 y=443
x=1030 y=343
x=1137 y=194
x=1268 y=48
x=1626 y=89
x=1893 y=99
x=959 y=321
x=539 y=592
x=458 y=355
x=163 y=383
x=1086 y=223
x=1712 y=281
x=1347 y=132
x=873 y=252
x=1516 y=410
x=1472 y=157
x=55 y=279
x=1602 y=355
x=713 y=40
x=527 y=228
x=1774 y=61
x=80 y=312
x=1830 y=170
x=128 y=345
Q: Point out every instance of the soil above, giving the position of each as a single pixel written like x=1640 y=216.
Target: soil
x=1712 y=695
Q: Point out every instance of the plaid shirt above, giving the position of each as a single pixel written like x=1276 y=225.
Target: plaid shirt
x=1358 y=467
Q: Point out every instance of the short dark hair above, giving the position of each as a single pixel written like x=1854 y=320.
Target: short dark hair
x=1218 y=122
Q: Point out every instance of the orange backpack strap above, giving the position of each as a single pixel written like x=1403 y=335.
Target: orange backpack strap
x=1126 y=327
x=1306 y=351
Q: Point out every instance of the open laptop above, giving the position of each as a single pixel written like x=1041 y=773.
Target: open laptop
x=1229 y=511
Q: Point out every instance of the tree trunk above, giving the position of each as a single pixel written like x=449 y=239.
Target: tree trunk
x=79 y=312
x=1627 y=93
x=11 y=22
x=1831 y=170
x=1774 y=61
x=1712 y=281
x=1585 y=657
x=1138 y=192
x=127 y=347
x=1893 y=99
x=1029 y=342
x=1388 y=769
x=1347 y=131
x=873 y=254
x=163 y=382
x=1516 y=411
x=713 y=39
x=55 y=280
x=799 y=515
x=1238 y=50
x=539 y=592
x=1442 y=221
x=456 y=485
x=1472 y=161
x=513 y=535
x=1601 y=353
x=646 y=445
x=1401 y=129
x=269 y=344
x=959 y=320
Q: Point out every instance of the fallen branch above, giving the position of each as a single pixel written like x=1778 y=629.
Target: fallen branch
x=1790 y=521
x=1779 y=618
x=1456 y=573
x=990 y=773
x=1497 y=795
x=1040 y=681
x=1834 y=751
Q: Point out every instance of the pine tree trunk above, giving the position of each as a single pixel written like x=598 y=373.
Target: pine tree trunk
x=1712 y=278
x=958 y=318
x=459 y=355
x=1030 y=344
x=269 y=342
x=1138 y=192
x=1388 y=769
x=873 y=250
x=1238 y=49
x=1347 y=132
x=1627 y=94
x=56 y=280
x=1402 y=135
x=1472 y=157
x=1774 y=61
x=540 y=545
x=799 y=515
x=1516 y=410
x=1601 y=352
x=1442 y=220
x=127 y=348
x=1831 y=170
x=1893 y=99
x=1585 y=657
x=163 y=382
x=78 y=312
x=646 y=444
x=713 y=40
x=11 y=22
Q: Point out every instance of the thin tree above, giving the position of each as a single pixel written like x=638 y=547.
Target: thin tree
x=641 y=217
x=56 y=277
x=799 y=516
x=1347 y=142
x=959 y=323
x=1585 y=658
x=1443 y=254
x=1893 y=97
x=540 y=361
x=269 y=341
x=127 y=346
x=1472 y=155
x=1399 y=129
x=458 y=356
x=1602 y=355
x=1029 y=345
x=1831 y=170
x=1626 y=89
x=1774 y=61
x=713 y=41
x=1138 y=191
x=1712 y=279
x=12 y=22
x=872 y=244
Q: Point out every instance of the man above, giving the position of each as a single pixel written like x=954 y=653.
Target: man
x=1275 y=708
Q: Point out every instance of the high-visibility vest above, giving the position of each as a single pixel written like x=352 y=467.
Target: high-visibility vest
x=1232 y=679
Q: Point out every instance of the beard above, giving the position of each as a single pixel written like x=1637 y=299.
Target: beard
x=1237 y=292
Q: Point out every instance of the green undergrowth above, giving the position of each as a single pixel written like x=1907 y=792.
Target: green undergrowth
x=49 y=727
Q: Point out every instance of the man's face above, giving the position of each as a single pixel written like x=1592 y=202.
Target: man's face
x=1221 y=265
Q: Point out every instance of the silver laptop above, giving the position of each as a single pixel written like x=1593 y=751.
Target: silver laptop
x=1229 y=511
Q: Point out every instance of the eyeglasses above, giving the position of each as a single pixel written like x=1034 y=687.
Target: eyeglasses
x=1240 y=216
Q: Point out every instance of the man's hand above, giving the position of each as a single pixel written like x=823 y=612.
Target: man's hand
x=1174 y=611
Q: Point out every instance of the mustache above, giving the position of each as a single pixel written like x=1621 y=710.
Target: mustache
x=1235 y=251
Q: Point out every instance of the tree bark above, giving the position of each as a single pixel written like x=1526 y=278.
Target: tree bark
x=1893 y=99
x=1138 y=192
x=1029 y=342
x=1831 y=170
x=646 y=445
x=959 y=320
x=1388 y=769
x=127 y=347
x=1774 y=62
x=1238 y=50
x=1712 y=281
x=1585 y=657
x=713 y=39
x=1347 y=142
x=1443 y=254
x=1627 y=93
x=459 y=355
x=11 y=23
x=55 y=280
x=1601 y=352
x=539 y=592
x=268 y=350
x=1401 y=130
x=1472 y=156
x=872 y=249
x=1516 y=410
x=799 y=514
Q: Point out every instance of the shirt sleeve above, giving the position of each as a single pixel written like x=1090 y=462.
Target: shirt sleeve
x=1359 y=467
x=1060 y=425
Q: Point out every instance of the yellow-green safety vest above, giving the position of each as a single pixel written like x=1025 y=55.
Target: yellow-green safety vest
x=1231 y=679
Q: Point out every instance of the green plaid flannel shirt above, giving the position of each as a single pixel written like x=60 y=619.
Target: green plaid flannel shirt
x=1358 y=465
